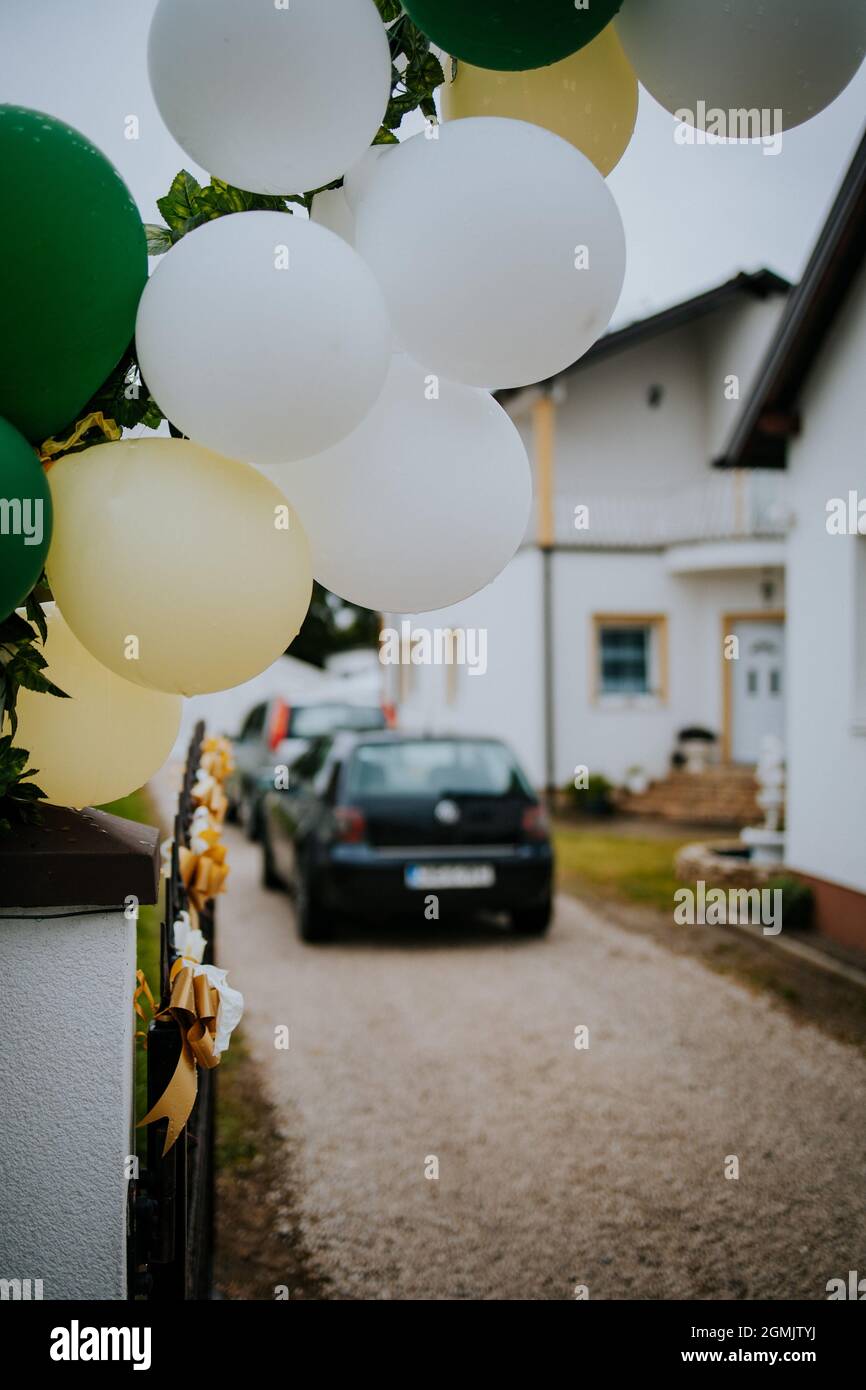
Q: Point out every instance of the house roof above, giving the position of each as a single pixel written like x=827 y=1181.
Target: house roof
x=769 y=415
x=758 y=284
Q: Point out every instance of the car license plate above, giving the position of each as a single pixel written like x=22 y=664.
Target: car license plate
x=433 y=876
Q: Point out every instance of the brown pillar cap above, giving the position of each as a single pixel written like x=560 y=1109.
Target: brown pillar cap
x=78 y=858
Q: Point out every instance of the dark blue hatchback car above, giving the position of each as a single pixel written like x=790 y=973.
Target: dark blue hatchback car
x=372 y=825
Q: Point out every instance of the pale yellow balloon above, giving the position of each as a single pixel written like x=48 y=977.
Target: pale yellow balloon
x=106 y=739
x=177 y=568
x=590 y=98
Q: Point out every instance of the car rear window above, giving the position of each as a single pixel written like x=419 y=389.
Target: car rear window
x=311 y=721
x=434 y=768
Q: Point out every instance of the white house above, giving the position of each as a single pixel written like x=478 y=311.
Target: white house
x=605 y=633
x=699 y=477
x=809 y=408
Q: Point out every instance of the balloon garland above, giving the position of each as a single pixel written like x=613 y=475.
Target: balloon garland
x=25 y=519
x=247 y=90
x=521 y=238
x=511 y=35
x=390 y=557
x=330 y=310
x=77 y=270
x=106 y=738
x=264 y=337
x=196 y=573
x=786 y=60
x=590 y=98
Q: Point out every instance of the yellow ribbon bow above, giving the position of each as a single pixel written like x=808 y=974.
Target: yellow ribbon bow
x=142 y=988
x=216 y=757
x=193 y=1005
x=206 y=791
x=204 y=872
x=49 y=451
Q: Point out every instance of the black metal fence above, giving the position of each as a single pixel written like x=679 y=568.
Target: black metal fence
x=172 y=1207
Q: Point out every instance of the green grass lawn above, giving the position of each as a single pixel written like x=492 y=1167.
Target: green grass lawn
x=626 y=866
x=138 y=807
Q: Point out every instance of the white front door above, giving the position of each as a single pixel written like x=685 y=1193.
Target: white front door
x=758 y=681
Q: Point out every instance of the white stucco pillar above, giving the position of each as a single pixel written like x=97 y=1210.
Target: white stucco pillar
x=67 y=975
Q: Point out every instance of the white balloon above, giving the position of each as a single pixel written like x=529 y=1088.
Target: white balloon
x=794 y=56
x=357 y=179
x=331 y=209
x=423 y=505
x=272 y=98
x=263 y=336
x=499 y=248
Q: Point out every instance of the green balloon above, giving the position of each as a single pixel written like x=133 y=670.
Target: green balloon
x=74 y=258
x=25 y=519
x=510 y=35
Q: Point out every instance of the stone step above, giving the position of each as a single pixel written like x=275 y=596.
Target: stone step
x=719 y=796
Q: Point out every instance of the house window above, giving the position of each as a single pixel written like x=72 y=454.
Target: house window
x=625 y=660
x=630 y=656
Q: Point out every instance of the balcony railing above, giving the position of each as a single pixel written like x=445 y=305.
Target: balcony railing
x=731 y=505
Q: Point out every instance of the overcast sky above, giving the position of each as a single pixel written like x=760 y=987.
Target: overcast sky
x=693 y=216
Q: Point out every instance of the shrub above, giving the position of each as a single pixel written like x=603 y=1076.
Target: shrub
x=798 y=901
x=595 y=798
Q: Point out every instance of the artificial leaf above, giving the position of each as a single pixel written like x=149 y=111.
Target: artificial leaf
x=158 y=239
x=424 y=74
x=178 y=205
x=36 y=615
x=398 y=107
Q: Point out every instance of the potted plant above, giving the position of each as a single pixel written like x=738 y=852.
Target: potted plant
x=695 y=744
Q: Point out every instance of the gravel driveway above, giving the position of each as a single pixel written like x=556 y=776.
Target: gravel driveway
x=558 y=1167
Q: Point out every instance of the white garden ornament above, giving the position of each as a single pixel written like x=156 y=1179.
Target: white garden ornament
x=277 y=96
x=499 y=248
x=423 y=505
x=263 y=336
x=791 y=57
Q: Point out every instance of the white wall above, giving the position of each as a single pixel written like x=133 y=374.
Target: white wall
x=608 y=437
x=66 y=1100
x=607 y=738
x=505 y=702
x=826 y=813
x=610 y=441
x=508 y=701
x=734 y=341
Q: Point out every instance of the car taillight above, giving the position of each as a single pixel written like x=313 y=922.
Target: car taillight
x=390 y=715
x=279 y=728
x=534 y=823
x=351 y=825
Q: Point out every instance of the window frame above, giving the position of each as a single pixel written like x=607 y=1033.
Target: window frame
x=657 y=695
